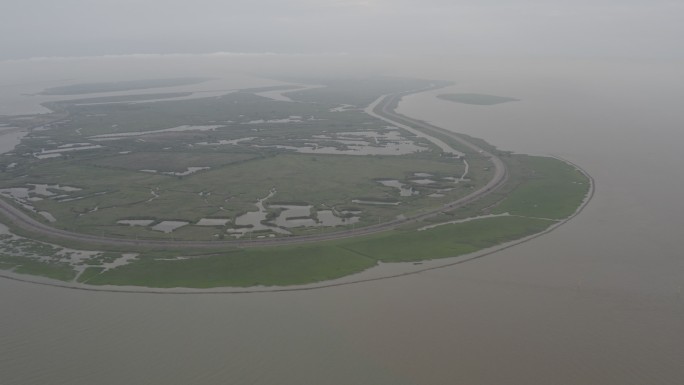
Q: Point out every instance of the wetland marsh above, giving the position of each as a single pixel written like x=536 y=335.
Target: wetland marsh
x=254 y=172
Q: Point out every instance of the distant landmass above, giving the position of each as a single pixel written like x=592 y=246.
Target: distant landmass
x=92 y=88
x=477 y=99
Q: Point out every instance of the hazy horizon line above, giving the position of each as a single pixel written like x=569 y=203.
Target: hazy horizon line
x=171 y=55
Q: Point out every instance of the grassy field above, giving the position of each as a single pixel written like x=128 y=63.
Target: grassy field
x=112 y=192
x=548 y=188
x=447 y=240
x=290 y=265
x=23 y=265
x=165 y=161
x=87 y=88
x=313 y=263
x=233 y=176
x=89 y=273
x=279 y=266
x=90 y=190
x=116 y=99
x=293 y=265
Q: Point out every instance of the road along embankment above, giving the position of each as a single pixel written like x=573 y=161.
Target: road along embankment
x=379 y=109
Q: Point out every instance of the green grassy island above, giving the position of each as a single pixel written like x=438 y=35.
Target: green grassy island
x=275 y=186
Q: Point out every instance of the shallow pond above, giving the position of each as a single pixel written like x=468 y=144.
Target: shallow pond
x=290 y=119
x=9 y=140
x=422 y=181
x=404 y=190
x=212 y=222
x=342 y=108
x=222 y=142
x=254 y=218
x=294 y=216
x=329 y=219
x=169 y=226
x=135 y=222
x=364 y=202
x=189 y=171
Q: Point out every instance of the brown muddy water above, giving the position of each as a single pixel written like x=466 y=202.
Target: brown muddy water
x=598 y=301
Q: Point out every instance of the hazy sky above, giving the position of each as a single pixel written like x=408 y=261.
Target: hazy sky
x=642 y=28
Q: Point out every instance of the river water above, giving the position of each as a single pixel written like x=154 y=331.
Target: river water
x=598 y=301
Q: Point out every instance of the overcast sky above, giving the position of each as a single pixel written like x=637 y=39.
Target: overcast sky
x=605 y=28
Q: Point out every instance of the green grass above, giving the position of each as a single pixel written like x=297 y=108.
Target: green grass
x=447 y=240
x=550 y=188
x=538 y=187
x=89 y=273
x=229 y=189
x=171 y=161
x=290 y=265
x=273 y=266
x=23 y=265
x=236 y=107
x=113 y=188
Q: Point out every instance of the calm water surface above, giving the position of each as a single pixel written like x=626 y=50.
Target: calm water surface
x=598 y=301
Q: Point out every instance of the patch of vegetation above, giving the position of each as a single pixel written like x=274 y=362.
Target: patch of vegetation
x=164 y=161
x=248 y=144
x=90 y=88
x=110 y=192
x=24 y=265
x=269 y=266
x=89 y=273
x=447 y=240
x=115 y=99
x=549 y=188
x=290 y=265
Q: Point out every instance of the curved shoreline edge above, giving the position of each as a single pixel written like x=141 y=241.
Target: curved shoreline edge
x=314 y=286
x=282 y=289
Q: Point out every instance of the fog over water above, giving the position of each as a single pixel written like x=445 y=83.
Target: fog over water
x=464 y=27
x=598 y=301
